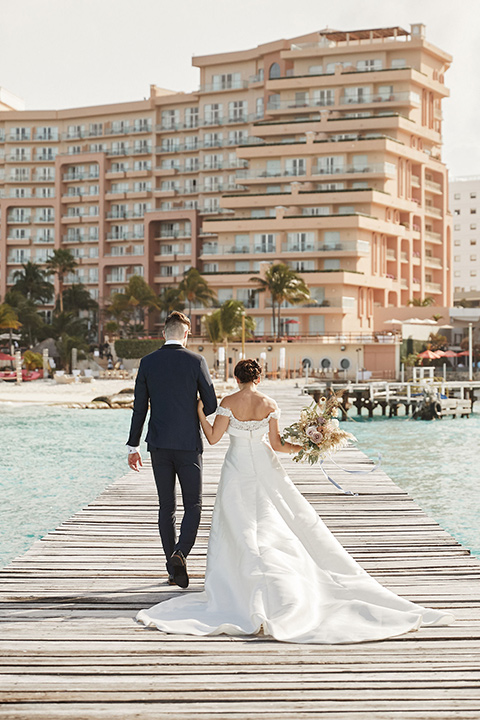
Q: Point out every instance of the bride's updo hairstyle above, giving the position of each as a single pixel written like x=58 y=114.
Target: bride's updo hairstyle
x=247 y=371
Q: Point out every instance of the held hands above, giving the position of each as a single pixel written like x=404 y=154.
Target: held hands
x=200 y=408
x=133 y=459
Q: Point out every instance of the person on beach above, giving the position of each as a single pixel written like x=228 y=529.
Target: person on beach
x=170 y=379
x=272 y=564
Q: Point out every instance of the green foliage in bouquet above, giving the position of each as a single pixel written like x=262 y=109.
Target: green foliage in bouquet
x=317 y=431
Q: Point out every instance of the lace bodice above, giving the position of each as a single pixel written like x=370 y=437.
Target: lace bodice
x=248 y=424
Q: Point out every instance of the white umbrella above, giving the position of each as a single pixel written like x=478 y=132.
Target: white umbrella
x=393 y=321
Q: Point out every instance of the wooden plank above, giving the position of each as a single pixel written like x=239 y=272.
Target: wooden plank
x=69 y=646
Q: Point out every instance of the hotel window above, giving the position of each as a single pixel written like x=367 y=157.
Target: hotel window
x=372 y=64
x=213 y=113
x=259 y=108
x=210 y=267
x=265 y=242
x=142 y=186
x=331 y=264
x=473 y=226
x=315 y=70
x=191 y=142
x=473 y=257
x=457 y=273
x=473 y=196
x=274 y=71
x=142 y=125
x=273 y=101
x=398 y=63
x=19 y=133
x=46 y=133
x=142 y=165
x=98 y=147
x=170 y=144
x=473 y=273
x=75 y=131
x=242 y=266
x=302 y=265
x=457 y=242
x=228 y=80
x=95 y=129
x=457 y=258
x=323 y=97
x=473 y=211
x=170 y=119
x=237 y=110
x=456 y=196
x=191 y=117
x=120 y=126
x=457 y=227
x=295 y=166
x=213 y=139
x=456 y=212
x=237 y=137
x=21 y=193
x=473 y=242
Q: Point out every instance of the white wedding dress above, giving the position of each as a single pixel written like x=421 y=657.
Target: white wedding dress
x=272 y=564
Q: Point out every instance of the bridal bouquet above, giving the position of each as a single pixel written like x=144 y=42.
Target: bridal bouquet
x=318 y=431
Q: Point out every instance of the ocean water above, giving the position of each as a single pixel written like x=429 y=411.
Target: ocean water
x=56 y=460
x=437 y=462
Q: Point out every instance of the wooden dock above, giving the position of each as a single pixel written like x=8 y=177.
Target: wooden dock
x=69 y=647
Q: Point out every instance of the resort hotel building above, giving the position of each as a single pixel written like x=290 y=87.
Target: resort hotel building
x=322 y=152
x=465 y=206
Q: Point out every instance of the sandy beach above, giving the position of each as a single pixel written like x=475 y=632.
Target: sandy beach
x=47 y=392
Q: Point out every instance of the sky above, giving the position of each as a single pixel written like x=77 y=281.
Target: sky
x=70 y=53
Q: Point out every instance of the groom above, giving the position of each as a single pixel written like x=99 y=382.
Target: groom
x=170 y=378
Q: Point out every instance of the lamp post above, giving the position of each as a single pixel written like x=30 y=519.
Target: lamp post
x=470 y=353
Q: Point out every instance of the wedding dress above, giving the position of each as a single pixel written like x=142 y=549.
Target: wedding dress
x=272 y=564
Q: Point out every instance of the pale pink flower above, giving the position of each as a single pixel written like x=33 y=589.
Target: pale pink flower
x=316 y=437
x=309 y=432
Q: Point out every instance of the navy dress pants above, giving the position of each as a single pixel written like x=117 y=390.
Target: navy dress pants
x=187 y=466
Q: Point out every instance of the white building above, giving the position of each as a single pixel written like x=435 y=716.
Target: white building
x=465 y=208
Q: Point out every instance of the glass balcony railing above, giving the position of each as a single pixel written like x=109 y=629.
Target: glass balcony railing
x=378 y=168
x=296 y=104
x=411 y=98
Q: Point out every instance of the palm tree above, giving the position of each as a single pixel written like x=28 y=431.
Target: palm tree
x=77 y=297
x=426 y=302
x=32 y=282
x=225 y=324
x=194 y=288
x=61 y=263
x=140 y=297
x=8 y=319
x=169 y=300
x=283 y=284
x=65 y=345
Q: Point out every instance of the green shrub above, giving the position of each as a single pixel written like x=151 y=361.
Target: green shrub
x=132 y=349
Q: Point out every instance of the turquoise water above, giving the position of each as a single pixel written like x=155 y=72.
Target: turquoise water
x=436 y=462
x=54 y=461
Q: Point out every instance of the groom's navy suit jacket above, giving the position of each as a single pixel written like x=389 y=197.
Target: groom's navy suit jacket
x=169 y=378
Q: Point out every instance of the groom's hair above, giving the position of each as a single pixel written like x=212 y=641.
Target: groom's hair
x=176 y=324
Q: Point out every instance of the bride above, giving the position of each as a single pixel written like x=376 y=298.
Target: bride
x=272 y=564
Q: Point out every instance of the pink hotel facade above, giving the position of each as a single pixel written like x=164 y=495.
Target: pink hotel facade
x=323 y=152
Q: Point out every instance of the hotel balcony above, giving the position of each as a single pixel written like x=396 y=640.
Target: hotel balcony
x=434 y=262
x=395 y=98
x=433 y=237
x=227 y=85
x=433 y=287
x=433 y=187
x=432 y=211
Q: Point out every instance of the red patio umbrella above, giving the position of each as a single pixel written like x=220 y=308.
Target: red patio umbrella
x=463 y=353
x=3 y=356
x=449 y=353
x=428 y=355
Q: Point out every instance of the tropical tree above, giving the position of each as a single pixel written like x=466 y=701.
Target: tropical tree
x=426 y=302
x=140 y=297
x=195 y=289
x=61 y=263
x=65 y=345
x=32 y=325
x=169 y=300
x=8 y=317
x=67 y=323
x=119 y=309
x=225 y=324
x=283 y=284
x=32 y=282
x=77 y=297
